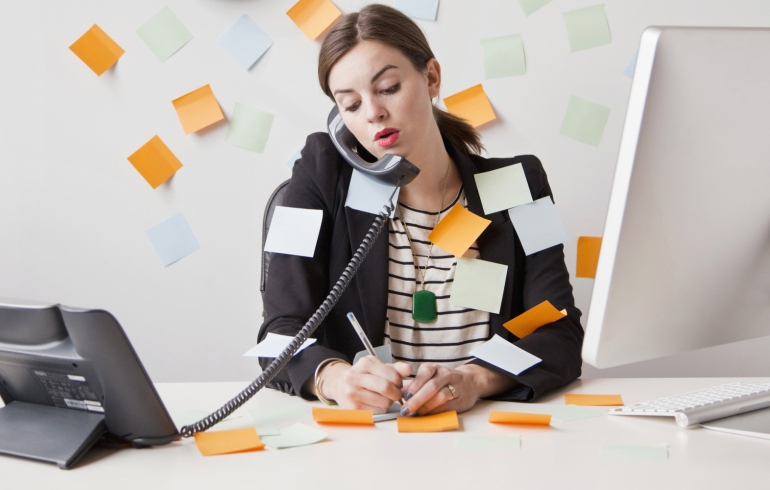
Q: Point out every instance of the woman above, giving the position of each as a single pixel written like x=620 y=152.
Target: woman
x=378 y=69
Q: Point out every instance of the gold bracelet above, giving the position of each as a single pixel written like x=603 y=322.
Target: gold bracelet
x=318 y=383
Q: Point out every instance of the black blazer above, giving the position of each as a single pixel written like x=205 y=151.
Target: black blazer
x=296 y=286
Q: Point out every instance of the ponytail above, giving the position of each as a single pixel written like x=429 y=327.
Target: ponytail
x=458 y=131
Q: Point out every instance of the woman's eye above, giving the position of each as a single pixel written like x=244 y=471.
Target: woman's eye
x=392 y=90
x=353 y=107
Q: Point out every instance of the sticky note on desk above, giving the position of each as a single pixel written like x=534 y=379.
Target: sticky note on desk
x=538 y=225
x=568 y=413
x=249 y=128
x=503 y=56
x=587 y=27
x=198 y=109
x=343 y=417
x=155 y=162
x=457 y=230
x=588 y=248
x=503 y=354
x=418 y=9
x=245 y=42
x=296 y=435
x=478 y=284
x=518 y=418
x=503 y=188
x=228 y=442
x=273 y=344
x=472 y=105
x=473 y=442
x=294 y=231
x=313 y=17
x=429 y=423
x=97 y=50
x=534 y=318
x=585 y=121
x=368 y=194
x=650 y=452
x=164 y=34
x=172 y=239
x=593 y=400
x=529 y=6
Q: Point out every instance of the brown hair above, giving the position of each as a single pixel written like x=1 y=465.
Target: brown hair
x=391 y=27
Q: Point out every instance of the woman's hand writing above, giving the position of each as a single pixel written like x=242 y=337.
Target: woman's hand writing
x=370 y=384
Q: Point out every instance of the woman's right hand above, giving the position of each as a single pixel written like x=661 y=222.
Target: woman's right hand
x=370 y=384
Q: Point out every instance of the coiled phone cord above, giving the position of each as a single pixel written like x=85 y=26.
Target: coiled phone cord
x=312 y=324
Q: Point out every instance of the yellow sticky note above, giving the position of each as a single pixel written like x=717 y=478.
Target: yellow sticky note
x=348 y=417
x=228 y=441
x=457 y=231
x=593 y=400
x=97 y=50
x=519 y=418
x=429 y=423
x=198 y=109
x=588 y=255
x=155 y=162
x=313 y=17
x=534 y=318
x=472 y=105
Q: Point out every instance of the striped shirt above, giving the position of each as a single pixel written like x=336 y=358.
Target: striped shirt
x=458 y=330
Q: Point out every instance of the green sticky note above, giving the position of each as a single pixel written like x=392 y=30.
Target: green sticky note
x=164 y=34
x=587 y=27
x=503 y=56
x=487 y=443
x=249 y=128
x=504 y=188
x=296 y=435
x=585 y=121
x=266 y=416
x=529 y=6
x=478 y=284
x=652 y=452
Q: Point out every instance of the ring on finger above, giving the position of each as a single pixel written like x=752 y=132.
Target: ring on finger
x=452 y=391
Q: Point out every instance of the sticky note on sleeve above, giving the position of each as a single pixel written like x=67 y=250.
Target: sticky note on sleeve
x=313 y=17
x=457 y=231
x=97 y=50
x=344 y=417
x=429 y=423
x=534 y=318
x=294 y=231
x=588 y=248
x=538 y=225
x=593 y=400
x=518 y=418
x=472 y=105
x=228 y=441
x=155 y=162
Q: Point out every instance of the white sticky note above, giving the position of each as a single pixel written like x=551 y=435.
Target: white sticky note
x=383 y=354
x=368 y=194
x=418 y=9
x=503 y=354
x=273 y=344
x=172 y=239
x=296 y=435
x=503 y=188
x=631 y=66
x=538 y=225
x=294 y=157
x=478 y=284
x=294 y=231
x=245 y=42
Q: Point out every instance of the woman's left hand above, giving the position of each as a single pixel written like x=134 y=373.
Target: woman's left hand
x=431 y=394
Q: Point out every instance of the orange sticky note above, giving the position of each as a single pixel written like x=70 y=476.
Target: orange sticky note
x=97 y=50
x=198 y=109
x=313 y=17
x=521 y=418
x=348 y=417
x=534 y=318
x=429 y=423
x=593 y=400
x=155 y=162
x=457 y=231
x=588 y=255
x=228 y=441
x=472 y=105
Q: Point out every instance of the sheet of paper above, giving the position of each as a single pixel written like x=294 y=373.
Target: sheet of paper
x=649 y=452
x=368 y=194
x=198 y=109
x=164 y=34
x=538 y=225
x=97 y=50
x=383 y=354
x=518 y=418
x=588 y=248
x=568 y=413
x=529 y=6
x=587 y=27
x=294 y=231
x=155 y=162
x=457 y=230
x=585 y=121
x=503 y=188
x=472 y=442
x=503 y=56
x=294 y=157
x=172 y=239
x=472 y=105
x=296 y=435
x=503 y=354
x=478 y=284
x=273 y=344
x=249 y=128
x=534 y=318
x=245 y=42
x=593 y=400
x=418 y=9
x=429 y=423
x=265 y=417
x=344 y=417
x=313 y=17
x=228 y=441
x=631 y=66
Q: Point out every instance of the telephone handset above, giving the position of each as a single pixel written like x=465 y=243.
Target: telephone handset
x=391 y=169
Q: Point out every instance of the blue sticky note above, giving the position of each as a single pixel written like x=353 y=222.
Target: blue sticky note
x=631 y=66
x=173 y=239
x=245 y=42
x=294 y=157
x=369 y=194
x=538 y=225
x=419 y=9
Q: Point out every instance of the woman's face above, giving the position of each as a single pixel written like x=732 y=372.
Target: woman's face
x=383 y=99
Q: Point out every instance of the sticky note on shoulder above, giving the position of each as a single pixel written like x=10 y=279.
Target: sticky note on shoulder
x=472 y=105
x=343 y=417
x=534 y=318
x=313 y=17
x=97 y=50
x=429 y=423
x=519 y=418
x=457 y=231
x=228 y=442
x=503 y=188
x=588 y=248
x=155 y=162
x=593 y=400
x=198 y=109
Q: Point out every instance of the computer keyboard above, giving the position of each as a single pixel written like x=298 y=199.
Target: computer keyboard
x=713 y=403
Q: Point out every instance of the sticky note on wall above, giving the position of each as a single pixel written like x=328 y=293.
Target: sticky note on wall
x=503 y=56
x=585 y=121
x=472 y=105
x=587 y=27
x=588 y=248
x=245 y=42
x=155 y=162
x=173 y=239
x=249 y=128
x=457 y=230
x=164 y=34
x=418 y=9
x=529 y=6
x=97 y=50
x=313 y=17
x=534 y=318
x=198 y=109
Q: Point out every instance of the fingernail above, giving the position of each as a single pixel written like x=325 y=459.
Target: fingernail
x=415 y=414
x=404 y=411
x=408 y=395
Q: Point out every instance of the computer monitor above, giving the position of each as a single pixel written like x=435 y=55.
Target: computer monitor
x=685 y=255
x=68 y=376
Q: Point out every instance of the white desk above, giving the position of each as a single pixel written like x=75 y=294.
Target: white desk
x=565 y=456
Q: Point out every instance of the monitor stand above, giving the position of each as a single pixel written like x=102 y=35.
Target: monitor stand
x=46 y=433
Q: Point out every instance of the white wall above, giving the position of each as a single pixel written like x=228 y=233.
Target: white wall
x=73 y=211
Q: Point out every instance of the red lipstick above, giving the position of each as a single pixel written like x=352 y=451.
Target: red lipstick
x=386 y=137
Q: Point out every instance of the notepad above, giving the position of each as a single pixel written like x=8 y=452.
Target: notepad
x=473 y=442
x=97 y=50
x=518 y=418
x=530 y=6
x=343 y=417
x=538 y=225
x=155 y=162
x=418 y=9
x=369 y=195
x=650 y=452
x=429 y=423
x=296 y=435
x=478 y=284
x=504 y=188
x=457 y=230
x=313 y=17
x=472 y=105
x=503 y=354
x=534 y=318
x=198 y=109
x=245 y=42
x=294 y=231
x=228 y=442
x=164 y=34
x=172 y=239
x=588 y=248
x=587 y=27
x=585 y=121
x=593 y=400
x=249 y=128
x=503 y=56
x=273 y=344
